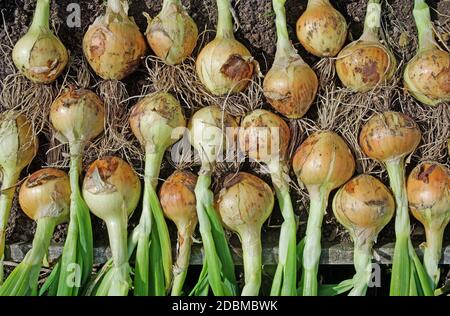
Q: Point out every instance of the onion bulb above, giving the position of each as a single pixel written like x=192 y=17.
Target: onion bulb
x=112 y=190
x=321 y=29
x=244 y=203
x=224 y=65
x=429 y=202
x=264 y=137
x=291 y=85
x=427 y=74
x=178 y=201
x=18 y=145
x=172 y=34
x=113 y=44
x=389 y=137
x=78 y=116
x=363 y=206
x=39 y=54
x=45 y=198
x=322 y=163
x=365 y=63
x=211 y=132
x=155 y=121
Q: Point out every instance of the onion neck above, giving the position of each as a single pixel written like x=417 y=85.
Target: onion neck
x=311 y=253
x=372 y=22
x=41 y=241
x=362 y=259
x=317 y=3
x=424 y=25
x=432 y=253
x=41 y=16
x=115 y=6
x=183 y=257
x=224 y=20
x=284 y=45
x=252 y=253
x=168 y=3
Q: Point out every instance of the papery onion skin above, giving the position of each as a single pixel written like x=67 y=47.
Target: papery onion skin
x=177 y=198
x=225 y=66
x=323 y=159
x=266 y=146
x=78 y=114
x=117 y=182
x=46 y=193
x=388 y=136
x=291 y=88
x=114 y=46
x=429 y=194
x=172 y=34
x=321 y=29
x=427 y=76
x=364 y=205
x=154 y=118
x=22 y=132
x=362 y=65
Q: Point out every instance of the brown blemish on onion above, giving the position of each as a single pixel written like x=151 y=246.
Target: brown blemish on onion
x=237 y=68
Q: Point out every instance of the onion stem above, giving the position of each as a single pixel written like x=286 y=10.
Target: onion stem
x=311 y=253
x=362 y=258
x=424 y=25
x=284 y=45
x=115 y=6
x=432 y=253
x=252 y=252
x=182 y=263
x=372 y=21
x=285 y=281
x=9 y=181
x=41 y=16
x=78 y=247
x=224 y=20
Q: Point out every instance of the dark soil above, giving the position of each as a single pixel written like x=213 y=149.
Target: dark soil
x=256 y=30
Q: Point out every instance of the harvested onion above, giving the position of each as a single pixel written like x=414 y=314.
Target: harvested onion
x=154 y=121
x=427 y=74
x=39 y=54
x=224 y=65
x=429 y=202
x=365 y=63
x=113 y=44
x=209 y=134
x=18 y=145
x=322 y=163
x=291 y=85
x=264 y=137
x=78 y=116
x=321 y=29
x=244 y=203
x=172 y=34
x=112 y=190
x=177 y=198
x=45 y=198
x=363 y=206
x=389 y=137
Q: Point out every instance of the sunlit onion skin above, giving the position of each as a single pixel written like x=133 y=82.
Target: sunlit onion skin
x=18 y=145
x=389 y=136
x=113 y=45
x=172 y=34
x=46 y=193
x=39 y=54
x=429 y=201
x=224 y=65
x=363 y=206
x=45 y=198
x=291 y=85
x=322 y=163
x=366 y=63
x=112 y=190
x=321 y=29
x=244 y=203
x=78 y=115
x=178 y=201
x=427 y=74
